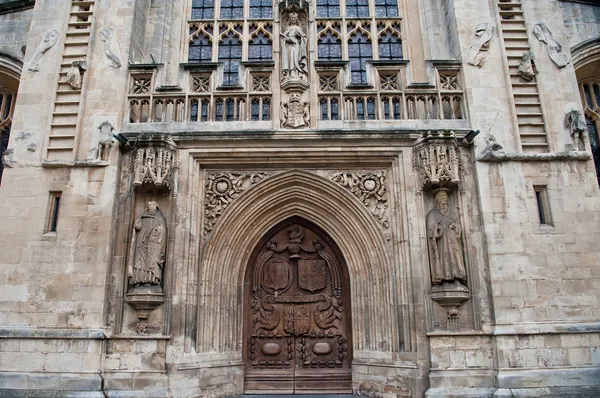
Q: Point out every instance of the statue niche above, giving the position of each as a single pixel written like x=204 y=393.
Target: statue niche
x=294 y=44
x=146 y=263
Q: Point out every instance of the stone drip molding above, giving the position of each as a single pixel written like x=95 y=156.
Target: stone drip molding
x=368 y=186
x=494 y=152
x=222 y=189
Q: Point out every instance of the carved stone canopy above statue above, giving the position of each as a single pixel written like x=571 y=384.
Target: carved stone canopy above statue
x=156 y=163
x=436 y=158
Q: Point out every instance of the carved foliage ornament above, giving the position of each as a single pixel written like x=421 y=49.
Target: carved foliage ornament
x=370 y=188
x=156 y=162
x=221 y=190
x=437 y=160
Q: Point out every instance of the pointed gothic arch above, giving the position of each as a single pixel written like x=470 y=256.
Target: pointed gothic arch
x=302 y=194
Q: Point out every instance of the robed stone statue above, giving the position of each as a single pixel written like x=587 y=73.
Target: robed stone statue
x=294 y=64
x=148 y=248
x=444 y=235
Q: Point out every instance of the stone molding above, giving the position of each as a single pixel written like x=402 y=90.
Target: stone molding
x=38 y=333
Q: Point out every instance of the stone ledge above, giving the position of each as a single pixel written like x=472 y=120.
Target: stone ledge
x=35 y=333
x=76 y=163
x=542 y=328
x=501 y=156
x=460 y=392
x=50 y=382
x=575 y=377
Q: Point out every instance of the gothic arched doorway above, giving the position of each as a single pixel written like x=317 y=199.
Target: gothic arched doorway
x=297 y=327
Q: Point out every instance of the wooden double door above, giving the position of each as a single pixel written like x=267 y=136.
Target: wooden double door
x=297 y=314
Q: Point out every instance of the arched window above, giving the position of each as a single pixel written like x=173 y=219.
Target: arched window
x=359 y=52
x=230 y=54
x=8 y=90
x=260 y=47
x=200 y=43
x=328 y=8
x=595 y=144
x=203 y=9
x=329 y=46
x=589 y=89
x=261 y=9
x=390 y=46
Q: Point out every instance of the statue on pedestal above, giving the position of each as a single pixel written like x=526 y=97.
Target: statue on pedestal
x=294 y=64
x=444 y=235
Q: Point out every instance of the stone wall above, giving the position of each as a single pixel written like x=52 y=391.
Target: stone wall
x=582 y=21
x=14 y=29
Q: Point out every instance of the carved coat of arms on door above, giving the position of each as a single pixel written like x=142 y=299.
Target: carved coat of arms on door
x=312 y=274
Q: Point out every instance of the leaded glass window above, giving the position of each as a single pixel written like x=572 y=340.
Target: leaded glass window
x=203 y=9
x=359 y=52
x=328 y=8
x=4 y=136
x=329 y=47
x=390 y=47
x=260 y=47
x=595 y=144
x=386 y=8
x=357 y=8
x=200 y=46
x=230 y=54
x=232 y=9
x=261 y=9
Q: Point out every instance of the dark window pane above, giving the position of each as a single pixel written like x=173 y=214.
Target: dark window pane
x=255 y=109
x=359 y=52
x=335 y=109
x=595 y=144
x=200 y=50
x=232 y=9
x=357 y=8
x=194 y=111
x=266 y=110
x=204 y=114
x=4 y=136
x=588 y=96
x=596 y=94
x=203 y=9
x=230 y=54
x=329 y=47
x=371 y=108
x=386 y=8
x=324 y=109
x=397 y=114
x=260 y=48
x=219 y=112
x=390 y=47
x=328 y=8
x=261 y=9
x=360 y=109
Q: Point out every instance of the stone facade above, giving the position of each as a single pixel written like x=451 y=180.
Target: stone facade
x=133 y=201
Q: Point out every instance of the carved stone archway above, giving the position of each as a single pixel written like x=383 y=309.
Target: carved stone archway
x=375 y=296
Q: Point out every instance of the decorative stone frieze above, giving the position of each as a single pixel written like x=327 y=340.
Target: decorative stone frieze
x=156 y=162
x=437 y=160
x=49 y=40
x=370 y=188
x=222 y=189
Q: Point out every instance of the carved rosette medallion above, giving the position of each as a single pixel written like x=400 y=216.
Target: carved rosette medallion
x=156 y=162
x=222 y=189
x=370 y=188
x=436 y=159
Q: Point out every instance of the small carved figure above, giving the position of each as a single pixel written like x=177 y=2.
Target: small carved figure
x=75 y=73
x=148 y=249
x=106 y=140
x=111 y=47
x=295 y=114
x=444 y=234
x=577 y=128
x=555 y=50
x=527 y=69
x=294 y=63
x=480 y=44
x=49 y=40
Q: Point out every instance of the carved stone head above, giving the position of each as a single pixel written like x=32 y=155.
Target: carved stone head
x=152 y=207
x=293 y=18
x=441 y=201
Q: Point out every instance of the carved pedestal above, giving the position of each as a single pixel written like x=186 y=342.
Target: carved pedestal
x=144 y=299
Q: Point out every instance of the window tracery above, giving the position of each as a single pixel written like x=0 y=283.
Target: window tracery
x=7 y=106
x=590 y=97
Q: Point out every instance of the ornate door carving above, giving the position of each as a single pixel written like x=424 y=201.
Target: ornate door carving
x=297 y=315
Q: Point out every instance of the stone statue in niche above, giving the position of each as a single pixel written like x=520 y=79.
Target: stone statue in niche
x=294 y=59
x=49 y=40
x=527 y=69
x=577 y=127
x=480 y=44
x=148 y=249
x=555 y=50
x=295 y=113
x=106 y=141
x=75 y=74
x=444 y=237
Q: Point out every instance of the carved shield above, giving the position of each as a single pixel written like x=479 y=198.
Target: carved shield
x=296 y=114
x=276 y=275
x=297 y=319
x=312 y=274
